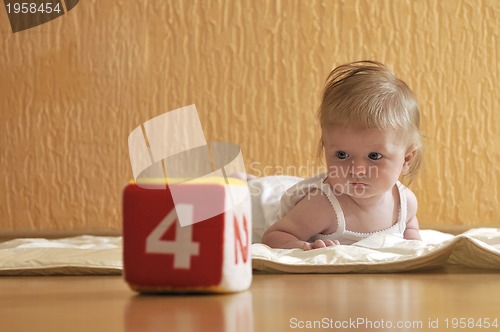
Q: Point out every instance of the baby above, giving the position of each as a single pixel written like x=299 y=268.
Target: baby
x=370 y=138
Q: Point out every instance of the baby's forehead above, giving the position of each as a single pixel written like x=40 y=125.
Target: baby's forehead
x=356 y=130
x=337 y=135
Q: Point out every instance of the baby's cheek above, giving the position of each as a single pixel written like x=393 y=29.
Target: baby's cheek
x=389 y=177
x=338 y=185
x=373 y=172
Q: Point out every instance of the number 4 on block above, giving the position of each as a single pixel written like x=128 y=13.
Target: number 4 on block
x=183 y=247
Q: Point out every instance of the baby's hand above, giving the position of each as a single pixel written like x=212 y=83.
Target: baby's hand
x=320 y=244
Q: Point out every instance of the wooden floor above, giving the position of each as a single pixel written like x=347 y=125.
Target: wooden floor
x=430 y=301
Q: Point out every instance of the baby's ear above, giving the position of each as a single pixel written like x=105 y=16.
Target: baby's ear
x=410 y=154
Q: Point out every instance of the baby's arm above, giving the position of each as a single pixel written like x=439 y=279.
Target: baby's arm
x=412 y=228
x=311 y=216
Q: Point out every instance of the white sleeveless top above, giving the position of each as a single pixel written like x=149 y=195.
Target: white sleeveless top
x=297 y=192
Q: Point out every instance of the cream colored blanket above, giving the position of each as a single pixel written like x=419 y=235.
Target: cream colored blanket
x=477 y=248
x=86 y=255
x=81 y=255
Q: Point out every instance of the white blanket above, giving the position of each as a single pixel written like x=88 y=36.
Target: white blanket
x=477 y=248
x=83 y=255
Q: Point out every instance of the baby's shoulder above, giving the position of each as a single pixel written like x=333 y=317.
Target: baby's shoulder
x=411 y=203
x=314 y=206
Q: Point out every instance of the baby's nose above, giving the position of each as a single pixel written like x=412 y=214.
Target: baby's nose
x=358 y=168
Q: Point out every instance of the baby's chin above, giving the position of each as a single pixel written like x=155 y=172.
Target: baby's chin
x=359 y=191
x=356 y=189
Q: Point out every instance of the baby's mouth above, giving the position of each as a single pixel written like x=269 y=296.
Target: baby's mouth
x=357 y=183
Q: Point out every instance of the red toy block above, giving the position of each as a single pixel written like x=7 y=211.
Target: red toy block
x=212 y=255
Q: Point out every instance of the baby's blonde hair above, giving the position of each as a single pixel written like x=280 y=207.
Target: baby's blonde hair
x=368 y=94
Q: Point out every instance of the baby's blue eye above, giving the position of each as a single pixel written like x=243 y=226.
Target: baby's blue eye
x=374 y=155
x=342 y=154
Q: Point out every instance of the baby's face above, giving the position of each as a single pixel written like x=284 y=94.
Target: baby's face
x=363 y=162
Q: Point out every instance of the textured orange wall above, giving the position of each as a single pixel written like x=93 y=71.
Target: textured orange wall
x=71 y=91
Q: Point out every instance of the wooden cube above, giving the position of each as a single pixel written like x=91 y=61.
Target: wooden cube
x=211 y=255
